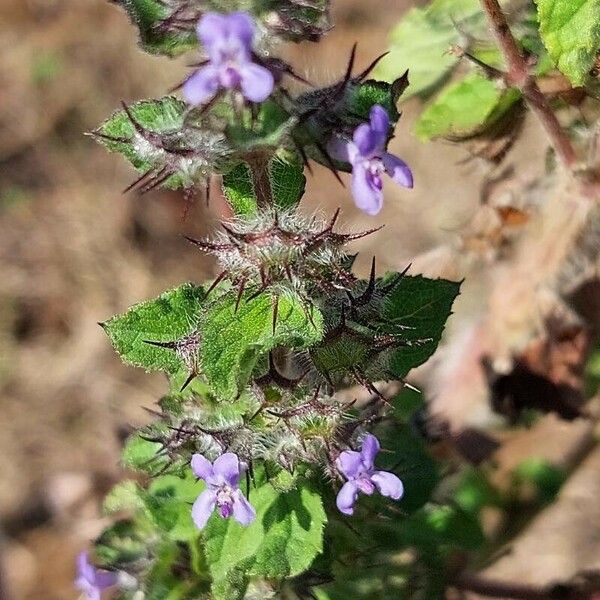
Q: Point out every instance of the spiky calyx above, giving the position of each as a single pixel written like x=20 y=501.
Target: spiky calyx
x=283 y=252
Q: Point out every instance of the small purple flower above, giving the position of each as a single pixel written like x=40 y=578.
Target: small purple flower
x=367 y=154
x=359 y=469
x=227 y=40
x=222 y=490
x=90 y=580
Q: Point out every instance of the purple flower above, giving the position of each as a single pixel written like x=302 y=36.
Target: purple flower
x=359 y=469
x=222 y=490
x=367 y=154
x=90 y=580
x=227 y=39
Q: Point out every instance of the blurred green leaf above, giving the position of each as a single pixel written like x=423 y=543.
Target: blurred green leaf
x=570 y=30
x=544 y=476
x=465 y=108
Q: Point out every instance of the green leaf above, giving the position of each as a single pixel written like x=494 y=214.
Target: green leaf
x=465 y=108
x=546 y=477
x=570 y=30
x=283 y=541
x=158 y=34
x=120 y=544
x=286 y=176
x=169 y=500
x=421 y=40
x=163 y=143
x=421 y=306
x=141 y=455
x=447 y=525
x=125 y=496
x=168 y=318
x=233 y=340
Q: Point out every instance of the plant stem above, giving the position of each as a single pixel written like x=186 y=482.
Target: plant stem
x=259 y=169
x=519 y=77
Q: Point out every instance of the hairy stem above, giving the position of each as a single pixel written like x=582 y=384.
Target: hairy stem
x=259 y=169
x=518 y=76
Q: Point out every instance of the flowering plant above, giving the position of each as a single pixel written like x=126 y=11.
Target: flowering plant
x=258 y=477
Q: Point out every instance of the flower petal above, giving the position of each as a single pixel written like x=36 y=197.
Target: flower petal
x=341 y=149
x=370 y=448
x=367 y=197
x=203 y=508
x=243 y=511
x=241 y=27
x=227 y=467
x=257 y=82
x=388 y=484
x=349 y=464
x=212 y=28
x=85 y=569
x=202 y=467
x=398 y=170
x=380 y=122
x=105 y=579
x=366 y=140
x=201 y=87
x=347 y=497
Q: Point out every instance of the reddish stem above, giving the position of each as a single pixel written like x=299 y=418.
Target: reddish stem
x=519 y=77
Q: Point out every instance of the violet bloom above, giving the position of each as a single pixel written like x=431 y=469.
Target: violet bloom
x=359 y=469
x=90 y=580
x=227 y=40
x=222 y=490
x=369 y=159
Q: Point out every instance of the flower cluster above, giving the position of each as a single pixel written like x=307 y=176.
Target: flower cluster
x=222 y=480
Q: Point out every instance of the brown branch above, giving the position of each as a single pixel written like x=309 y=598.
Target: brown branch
x=518 y=76
x=258 y=163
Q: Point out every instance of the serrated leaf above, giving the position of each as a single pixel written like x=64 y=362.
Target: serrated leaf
x=465 y=108
x=163 y=143
x=165 y=319
x=570 y=30
x=283 y=541
x=286 y=176
x=233 y=340
x=421 y=306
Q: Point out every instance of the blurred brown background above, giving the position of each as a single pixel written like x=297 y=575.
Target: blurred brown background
x=74 y=251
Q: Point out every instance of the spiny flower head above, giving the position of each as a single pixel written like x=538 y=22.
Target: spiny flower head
x=367 y=154
x=222 y=490
x=359 y=470
x=92 y=581
x=228 y=40
x=283 y=250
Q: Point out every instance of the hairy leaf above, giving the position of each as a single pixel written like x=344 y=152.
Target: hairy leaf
x=156 y=140
x=283 y=541
x=570 y=30
x=163 y=28
x=465 y=108
x=233 y=340
x=168 y=318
